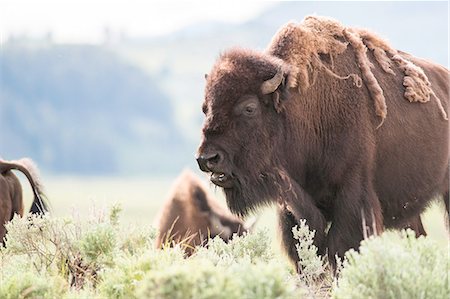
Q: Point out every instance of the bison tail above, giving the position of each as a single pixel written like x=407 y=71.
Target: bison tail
x=39 y=205
x=29 y=169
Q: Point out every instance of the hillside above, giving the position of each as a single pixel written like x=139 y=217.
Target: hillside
x=81 y=109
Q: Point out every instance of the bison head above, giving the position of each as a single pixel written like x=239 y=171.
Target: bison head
x=242 y=132
x=191 y=215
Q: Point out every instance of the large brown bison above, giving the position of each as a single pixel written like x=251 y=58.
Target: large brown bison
x=11 y=201
x=332 y=124
x=191 y=215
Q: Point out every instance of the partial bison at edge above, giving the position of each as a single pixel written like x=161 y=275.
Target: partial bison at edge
x=334 y=126
x=11 y=201
x=191 y=215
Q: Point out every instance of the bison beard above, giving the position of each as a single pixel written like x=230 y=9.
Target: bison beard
x=250 y=193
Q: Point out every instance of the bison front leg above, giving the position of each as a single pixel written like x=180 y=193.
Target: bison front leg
x=297 y=205
x=356 y=215
x=416 y=225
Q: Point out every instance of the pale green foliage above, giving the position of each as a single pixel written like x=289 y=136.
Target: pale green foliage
x=73 y=249
x=49 y=257
x=97 y=244
x=114 y=213
x=395 y=265
x=222 y=270
x=315 y=274
x=30 y=284
x=186 y=280
x=134 y=240
x=49 y=243
x=267 y=280
x=254 y=246
x=312 y=266
x=121 y=280
x=86 y=293
x=202 y=279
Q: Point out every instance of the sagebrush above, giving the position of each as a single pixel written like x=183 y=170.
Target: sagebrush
x=50 y=257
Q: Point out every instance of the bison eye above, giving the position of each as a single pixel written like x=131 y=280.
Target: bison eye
x=250 y=109
x=247 y=105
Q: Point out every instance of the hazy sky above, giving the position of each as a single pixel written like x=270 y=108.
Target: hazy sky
x=86 y=20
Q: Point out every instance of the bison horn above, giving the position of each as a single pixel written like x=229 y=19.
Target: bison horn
x=272 y=84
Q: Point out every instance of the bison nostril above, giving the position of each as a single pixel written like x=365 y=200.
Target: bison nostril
x=206 y=162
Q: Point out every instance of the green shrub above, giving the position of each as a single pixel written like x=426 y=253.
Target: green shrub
x=181 y=281
x=254 y=246
x=30 y=284
x=121 y=280
x=86 y=293
x=223 y=270
x=315 y=275
x=201 y=279
x=97 y=245
x=267 y=280
x=49 y=257
x=47 y=242
x=395 y=265
x=312 y=266
x=135 y=240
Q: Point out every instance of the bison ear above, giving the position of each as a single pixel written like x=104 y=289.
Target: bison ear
x=201 y=200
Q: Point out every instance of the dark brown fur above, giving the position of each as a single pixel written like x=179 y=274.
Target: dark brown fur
x=11 y=201
x=191 y=215
x=316 y=145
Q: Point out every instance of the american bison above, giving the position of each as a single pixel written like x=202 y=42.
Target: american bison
x=11 y=201
x=191 y=215
x=335 y=126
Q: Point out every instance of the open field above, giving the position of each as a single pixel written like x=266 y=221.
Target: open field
x=142 y=197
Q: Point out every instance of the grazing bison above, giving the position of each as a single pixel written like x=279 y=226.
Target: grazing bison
x=11 y=191
x=191 y=215
x=332 y=124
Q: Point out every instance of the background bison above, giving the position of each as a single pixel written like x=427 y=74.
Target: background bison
x=11 y=201
x=332 y=124
x=191 y=215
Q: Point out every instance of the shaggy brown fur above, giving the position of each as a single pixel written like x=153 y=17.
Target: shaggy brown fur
x=315 y=144
x=11 y=201
x=191 y=215
x=365 y=65
x=418 y=87
x=319 y=36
